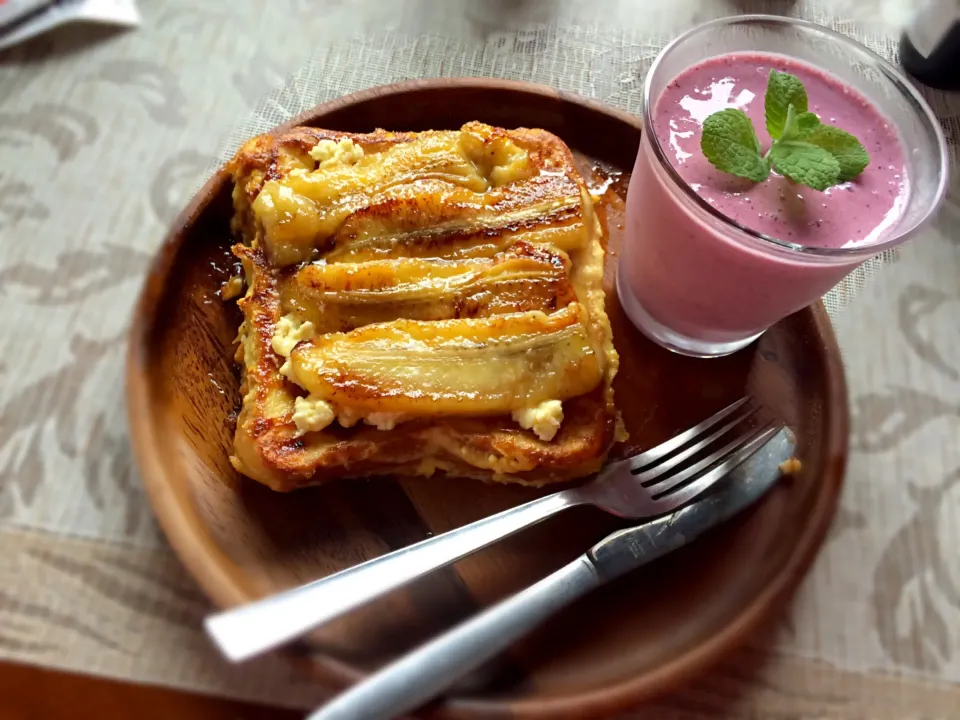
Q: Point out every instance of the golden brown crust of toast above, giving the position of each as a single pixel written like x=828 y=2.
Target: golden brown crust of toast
x=268 y=447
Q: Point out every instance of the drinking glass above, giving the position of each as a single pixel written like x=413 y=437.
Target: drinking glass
x=701 y=284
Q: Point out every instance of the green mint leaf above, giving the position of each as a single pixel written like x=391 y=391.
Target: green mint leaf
x=783 y=90
x=807 y=122
x=805 y=163
x=730 y=143
x=790 y=124
x=798 y=125
x=849 y=153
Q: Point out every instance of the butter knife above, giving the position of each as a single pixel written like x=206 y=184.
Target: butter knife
x=414 y=679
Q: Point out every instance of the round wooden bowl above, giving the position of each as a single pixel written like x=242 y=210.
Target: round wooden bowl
x=632 y=640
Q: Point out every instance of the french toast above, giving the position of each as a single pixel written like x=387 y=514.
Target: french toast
x=419 y=303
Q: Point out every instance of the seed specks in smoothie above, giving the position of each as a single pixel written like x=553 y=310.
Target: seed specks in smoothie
x=864 y=213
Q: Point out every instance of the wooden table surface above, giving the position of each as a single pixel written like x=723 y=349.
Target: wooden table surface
x=34 y=693
x=752 y=684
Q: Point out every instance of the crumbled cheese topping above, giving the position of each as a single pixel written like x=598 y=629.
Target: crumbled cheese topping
x=544 y=419
x=348 y=417
x=333 y=152
x=515 y=167
x=289 y=331
x=384 y=420
x=311 y=415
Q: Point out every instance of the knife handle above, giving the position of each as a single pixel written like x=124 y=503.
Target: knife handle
x=421 y=675
x=249 y=630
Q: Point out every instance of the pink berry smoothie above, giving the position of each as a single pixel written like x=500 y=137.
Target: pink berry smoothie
x=697 y=276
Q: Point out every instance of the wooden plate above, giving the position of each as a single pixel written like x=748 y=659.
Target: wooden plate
x=632 y=640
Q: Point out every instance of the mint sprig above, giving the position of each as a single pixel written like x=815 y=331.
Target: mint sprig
x=802 y=148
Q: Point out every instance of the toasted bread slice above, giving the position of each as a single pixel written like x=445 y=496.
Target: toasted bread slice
x=420 y=302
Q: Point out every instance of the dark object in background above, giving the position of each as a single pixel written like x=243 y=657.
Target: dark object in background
x=930 y=46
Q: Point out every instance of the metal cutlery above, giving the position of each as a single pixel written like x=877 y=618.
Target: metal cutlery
x=652 y=483
x=426 y=672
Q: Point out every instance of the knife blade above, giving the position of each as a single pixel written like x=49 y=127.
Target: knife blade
x=426 y=672
x=632 y=547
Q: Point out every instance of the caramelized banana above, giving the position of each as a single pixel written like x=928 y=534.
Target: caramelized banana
x=448 y=185
x=452 y=367
x=426 y=226
x=342 y=297
x=307 y=207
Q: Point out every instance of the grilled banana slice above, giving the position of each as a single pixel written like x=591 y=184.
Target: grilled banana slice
x=345 y=296
x=431 y=219
x=440 y=192
x=452 y=367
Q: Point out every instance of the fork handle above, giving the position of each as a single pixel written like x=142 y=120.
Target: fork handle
x=423 y=674
x=252 y=629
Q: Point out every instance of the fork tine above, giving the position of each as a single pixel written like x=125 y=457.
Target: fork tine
x=637 y=462
x=742 y=449
x=645 y=477
x=663 y=488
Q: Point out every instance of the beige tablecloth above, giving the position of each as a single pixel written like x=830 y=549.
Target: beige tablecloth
x=103 y=135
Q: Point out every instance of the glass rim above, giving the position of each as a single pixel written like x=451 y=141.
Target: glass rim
x=888 y=70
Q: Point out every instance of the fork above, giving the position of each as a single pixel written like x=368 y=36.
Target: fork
x=652 y=483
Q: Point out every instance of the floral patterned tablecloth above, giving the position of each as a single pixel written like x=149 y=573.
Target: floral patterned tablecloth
x=104 y=134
